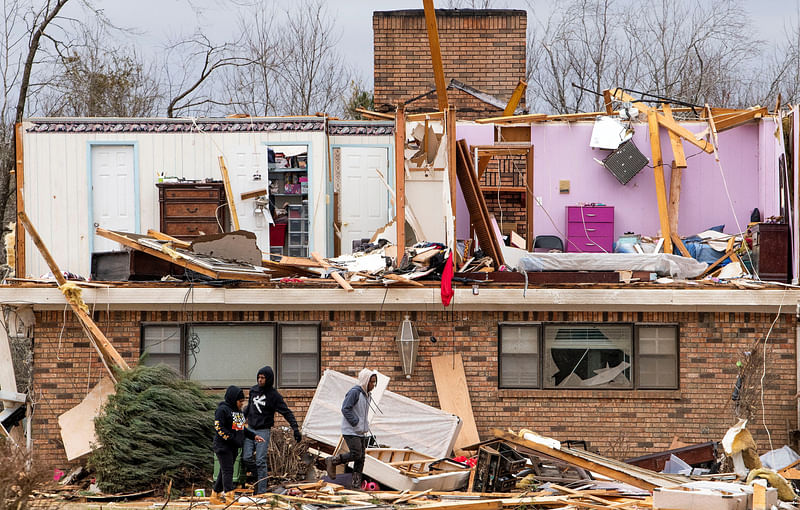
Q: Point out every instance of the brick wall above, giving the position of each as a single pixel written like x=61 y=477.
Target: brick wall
x=484 y=49
x=508 y=207
x=618 y=423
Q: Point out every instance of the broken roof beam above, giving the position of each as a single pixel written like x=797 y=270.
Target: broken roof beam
x=725 y=121
x=111 y=357
x=658 y=173
x=373 y=115
x=675 y=141
x=416 y=117
x=436 y=54
x=505 y=119
x=516 y=97
x=671 y=125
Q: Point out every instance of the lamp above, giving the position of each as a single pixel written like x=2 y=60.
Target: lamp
x=407 y=344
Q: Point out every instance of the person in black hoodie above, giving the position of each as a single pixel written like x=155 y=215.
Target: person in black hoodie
x=230 y=428
x=264 y=401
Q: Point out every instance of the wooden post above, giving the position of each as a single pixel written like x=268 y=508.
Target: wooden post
x=107 y=351
x=451 y=167
x=19 y=267
x=674 y=197
x=400 y=179
x=607 y=102
x=516 y=97
x=229 y=192
x=436 y=54
x=658 y=172
x=529 y=198
x=675 y=140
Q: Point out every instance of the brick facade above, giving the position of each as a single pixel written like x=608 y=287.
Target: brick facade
x=484 y=49
x=618 y=423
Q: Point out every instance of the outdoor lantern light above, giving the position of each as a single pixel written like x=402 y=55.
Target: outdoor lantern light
x=407 y=344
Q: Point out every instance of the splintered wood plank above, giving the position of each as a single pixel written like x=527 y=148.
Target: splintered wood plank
x=400 y=178
x=453 y=392
x=607 y=102
x=516 y=96
x=436 y=54
x=19 y=269
x=229 y=192
x=658 y=172
x=674 y=206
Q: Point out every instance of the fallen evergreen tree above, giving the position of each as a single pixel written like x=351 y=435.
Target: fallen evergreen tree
x=157 y=427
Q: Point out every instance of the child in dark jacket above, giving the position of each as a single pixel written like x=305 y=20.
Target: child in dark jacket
x=230 y=428
x=264 y=401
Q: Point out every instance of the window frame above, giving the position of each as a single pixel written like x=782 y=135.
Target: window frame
x=635 y=354
x=276 y=325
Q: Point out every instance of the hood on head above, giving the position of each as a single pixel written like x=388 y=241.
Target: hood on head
x=269 y=375
x=364 y=376
x=232 y=395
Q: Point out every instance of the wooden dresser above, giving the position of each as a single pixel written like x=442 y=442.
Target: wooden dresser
x=190 y=209
x=590 y=228
x=771 y=251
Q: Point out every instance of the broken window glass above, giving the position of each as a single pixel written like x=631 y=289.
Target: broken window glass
x=588 y=356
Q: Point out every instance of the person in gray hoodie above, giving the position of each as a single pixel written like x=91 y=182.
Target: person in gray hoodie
x=355 y=427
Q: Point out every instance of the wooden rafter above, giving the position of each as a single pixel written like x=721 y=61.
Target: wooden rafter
x=516 y=96
x=229 y=192
x=19 y=268
x=725 y=121
x=375 y=115
x=110 y=355
x=400 y=178
x=505 y=119
x=675 y=141
x=436 y=54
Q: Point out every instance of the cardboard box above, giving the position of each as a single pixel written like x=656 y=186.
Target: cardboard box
x=690 y=499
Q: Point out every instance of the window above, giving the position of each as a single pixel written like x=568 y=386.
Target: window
x=519 y=356
x=299 y=355
x=582 y=356
x=221 y=354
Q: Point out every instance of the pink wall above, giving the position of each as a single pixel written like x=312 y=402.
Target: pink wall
x=561 y=152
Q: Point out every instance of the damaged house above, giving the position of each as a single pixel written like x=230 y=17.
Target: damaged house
x=609 y=355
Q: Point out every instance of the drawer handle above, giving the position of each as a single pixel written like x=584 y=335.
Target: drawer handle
x=192 y=211
x=191 y=229
x=591 y=229
x=591 y=214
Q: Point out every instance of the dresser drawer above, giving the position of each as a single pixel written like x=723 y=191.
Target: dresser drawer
x=191 y=228
x=196 y=193
x=590 y=214
x=197 y=210
x=578 y=229
x=583 y=244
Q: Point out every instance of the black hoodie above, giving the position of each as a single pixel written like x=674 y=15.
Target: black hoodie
x=264 y=401
x=229 y=422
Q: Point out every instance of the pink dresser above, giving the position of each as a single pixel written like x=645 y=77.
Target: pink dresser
x=590 y=228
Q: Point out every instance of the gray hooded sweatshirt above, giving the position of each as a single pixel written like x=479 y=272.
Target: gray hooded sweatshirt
x=356 y=407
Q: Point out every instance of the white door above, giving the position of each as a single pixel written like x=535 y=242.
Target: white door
x=363 y=197
x=113 y=192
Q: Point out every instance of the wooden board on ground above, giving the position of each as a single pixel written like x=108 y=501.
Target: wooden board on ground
x=453 y=392
x=77 y=424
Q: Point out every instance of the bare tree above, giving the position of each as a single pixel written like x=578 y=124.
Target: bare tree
x=188 y=69
x=95 y=78
x=314 y=77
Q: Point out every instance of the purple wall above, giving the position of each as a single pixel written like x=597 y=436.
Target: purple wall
x=561 y=152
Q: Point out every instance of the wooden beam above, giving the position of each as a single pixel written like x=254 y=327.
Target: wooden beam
x=710 y=268
x=452 y=390
x=178 y=243
x=728 y=121
x=451 y=167
x=19 y=266
x=531 y=117
x=253 y=194
x=375 y=115
x=529 y=199
x=516 y=96
x=436 y=54
x=607 y=102
x=673 y=209
x=679 y=243
x=417 y=117
x=400 y=178
x=675 y=141
x=229 y=192
x=104 y=347
x=658 y=172
x=563 y=455
x=671 y=125
x=335 y=275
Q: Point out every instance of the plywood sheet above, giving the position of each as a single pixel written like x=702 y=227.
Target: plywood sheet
x=77 y=424
x=453 y=391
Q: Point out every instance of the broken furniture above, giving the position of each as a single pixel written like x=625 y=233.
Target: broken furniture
x=131 y=265
x=702 y=455
x=590 y=228
x=190 y=209
x=771 y=251
x=497 y=465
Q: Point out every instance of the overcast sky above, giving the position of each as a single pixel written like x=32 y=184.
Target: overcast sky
x=158 y=19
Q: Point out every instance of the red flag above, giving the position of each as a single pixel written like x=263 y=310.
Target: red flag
x=447 y=281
